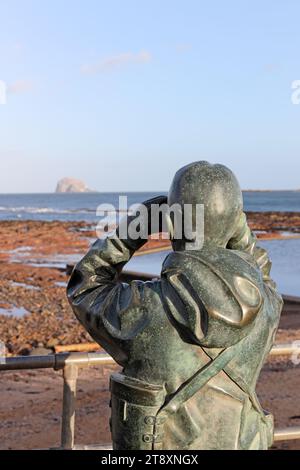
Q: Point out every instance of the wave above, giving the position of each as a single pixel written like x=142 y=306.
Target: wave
x=50 y=210
x=44 y=210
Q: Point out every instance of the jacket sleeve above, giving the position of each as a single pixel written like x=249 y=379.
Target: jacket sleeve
x=112 y=312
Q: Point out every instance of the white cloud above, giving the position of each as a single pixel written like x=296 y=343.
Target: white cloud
x=113 y=62
x=20 y=86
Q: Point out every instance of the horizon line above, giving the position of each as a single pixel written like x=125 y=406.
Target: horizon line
x=136 y=191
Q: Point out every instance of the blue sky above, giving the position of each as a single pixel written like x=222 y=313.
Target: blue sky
x=121 y=94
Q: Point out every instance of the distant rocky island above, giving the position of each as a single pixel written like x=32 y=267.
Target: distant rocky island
x=72 y=185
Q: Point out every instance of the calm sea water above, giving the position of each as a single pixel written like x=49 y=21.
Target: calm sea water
x=83 y=206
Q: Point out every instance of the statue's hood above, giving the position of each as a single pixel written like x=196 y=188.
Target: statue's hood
x=212 y=295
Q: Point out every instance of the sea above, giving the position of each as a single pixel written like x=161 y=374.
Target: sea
x=285 y=254
x=83 y=206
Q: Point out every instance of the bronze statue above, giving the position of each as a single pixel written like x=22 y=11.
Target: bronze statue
x=192 y=343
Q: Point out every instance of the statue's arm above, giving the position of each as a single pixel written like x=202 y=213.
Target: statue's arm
x=112 y=312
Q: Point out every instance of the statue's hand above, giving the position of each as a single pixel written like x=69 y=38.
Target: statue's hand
x=135 y=229
x=159 y=201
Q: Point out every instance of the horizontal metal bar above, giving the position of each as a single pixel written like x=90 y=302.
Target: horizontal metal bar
x=86 y=359
x=55 y=361
x=27 y=362
x=285 y=349
x=59 y=361
x=287 y=434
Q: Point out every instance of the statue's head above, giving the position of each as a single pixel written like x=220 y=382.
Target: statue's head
x=217 y=189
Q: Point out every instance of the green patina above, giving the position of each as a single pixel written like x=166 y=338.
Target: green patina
x=192 y=343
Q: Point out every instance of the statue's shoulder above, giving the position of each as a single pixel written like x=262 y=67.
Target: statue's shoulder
x=226 y=284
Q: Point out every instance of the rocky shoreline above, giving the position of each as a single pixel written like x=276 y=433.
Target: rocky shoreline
x=34 y=312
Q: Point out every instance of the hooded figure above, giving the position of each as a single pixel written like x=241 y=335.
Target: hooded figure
x=192 y=343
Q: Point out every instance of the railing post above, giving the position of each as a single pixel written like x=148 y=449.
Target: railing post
x=70 y=374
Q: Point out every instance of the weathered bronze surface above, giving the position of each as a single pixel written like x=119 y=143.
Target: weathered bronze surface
x=191 y=344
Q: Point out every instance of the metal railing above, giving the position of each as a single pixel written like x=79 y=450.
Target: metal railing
x=69 y=363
